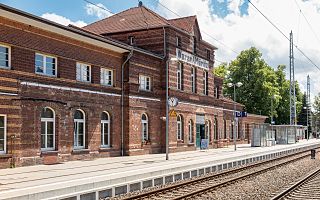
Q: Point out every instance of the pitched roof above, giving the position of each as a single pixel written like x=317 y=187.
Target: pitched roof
x=184 y=23
x=128 y=20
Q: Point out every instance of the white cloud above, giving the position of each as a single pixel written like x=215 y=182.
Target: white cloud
x=62 y=20
x=99 y=11
x=242 y=32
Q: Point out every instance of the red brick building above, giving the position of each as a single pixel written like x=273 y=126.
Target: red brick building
x=69 y=93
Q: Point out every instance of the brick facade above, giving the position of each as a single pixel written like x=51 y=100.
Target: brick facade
x=24 y=94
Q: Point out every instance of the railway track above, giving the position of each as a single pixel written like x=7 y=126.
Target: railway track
x=195 y=187
x=306 y=188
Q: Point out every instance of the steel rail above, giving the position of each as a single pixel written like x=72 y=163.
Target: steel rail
x=297 y=185
x=204 y=178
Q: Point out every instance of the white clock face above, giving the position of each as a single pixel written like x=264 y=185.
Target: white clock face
x=173 y=101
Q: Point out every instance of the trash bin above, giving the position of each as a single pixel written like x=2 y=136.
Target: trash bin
x=313 y=154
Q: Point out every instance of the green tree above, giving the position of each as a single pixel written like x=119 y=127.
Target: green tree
x=259 y=82
x=221 y=70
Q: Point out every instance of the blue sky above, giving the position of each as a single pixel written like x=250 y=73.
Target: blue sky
x=75 y=9
x=232 y=22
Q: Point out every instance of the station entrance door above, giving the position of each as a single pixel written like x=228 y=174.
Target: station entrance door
x=200 y=129
x=200 y=134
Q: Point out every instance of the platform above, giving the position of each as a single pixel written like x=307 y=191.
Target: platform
x=109 y=176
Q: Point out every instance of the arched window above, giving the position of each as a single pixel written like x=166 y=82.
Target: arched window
x=190 y=125
x=179 y=127
x=145 y=131
x=216 y=134
x=224 y=129
x=232 y=129
x=47 y=129
x=207 y=130
x=79 y=130
x=105 y=129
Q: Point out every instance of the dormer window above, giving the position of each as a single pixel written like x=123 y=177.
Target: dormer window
x=178 y=41
x=131 y=40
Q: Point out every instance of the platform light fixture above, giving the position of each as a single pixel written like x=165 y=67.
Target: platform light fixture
x=306 y=108
x=234 y=85
x=167 y=104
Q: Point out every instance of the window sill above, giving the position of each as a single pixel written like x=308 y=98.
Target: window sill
x=48 y=152
x=105 y=149
x=3 y=67
x=48 y=75
x=80 y=151
x=142 y=90
x=3 y=155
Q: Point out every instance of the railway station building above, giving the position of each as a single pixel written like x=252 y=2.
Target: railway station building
x=70 y=93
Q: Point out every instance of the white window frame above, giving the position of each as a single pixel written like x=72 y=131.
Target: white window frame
x=205 y=82
x=178 y=41
x=44 y=64
x=103 y=122
x=5 y=135
x=144 y=123
x=131 y=40
x=179 y=127
x=193 y=80
x=179 y=76
x=143 y=80
x=208 y=52
x=190 y=126
x=9 y=57
x=84 y=130
x=46 y=120
x=104 y=73
x=80 y=69
x=216 y=91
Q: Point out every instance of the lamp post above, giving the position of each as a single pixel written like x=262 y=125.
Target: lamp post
x=167 y=105
x=307 y=122
x=272 y=122
x=234 y=85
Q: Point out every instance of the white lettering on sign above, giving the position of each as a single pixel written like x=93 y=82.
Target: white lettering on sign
x=191 y=59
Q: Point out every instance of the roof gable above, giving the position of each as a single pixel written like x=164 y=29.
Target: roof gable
x=128 y=20
x=188 y=24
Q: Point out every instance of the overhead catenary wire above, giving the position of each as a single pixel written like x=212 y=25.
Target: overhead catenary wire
x=147 y=23
x=307 y=57
x=305 y=18
x=220 y=42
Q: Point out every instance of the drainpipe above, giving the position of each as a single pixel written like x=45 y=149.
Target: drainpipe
x=122 y=100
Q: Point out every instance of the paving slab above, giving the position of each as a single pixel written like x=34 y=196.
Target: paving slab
x=117 y=173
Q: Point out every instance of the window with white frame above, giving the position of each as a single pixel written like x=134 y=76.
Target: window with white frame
x=47 y=129
x=106 y=77
x=131 y=40
x=145 y=82
x=178 y=41
x=105 y=129
x=4 y=56
x=3 y=133
x=216 y=134
x=45 y=65
x=79 y=130
x=179 y=76
x=179 y=128
x=205 y=82
x=144 y=124
x=193 y=80
x=83 y=72
x=190 y=125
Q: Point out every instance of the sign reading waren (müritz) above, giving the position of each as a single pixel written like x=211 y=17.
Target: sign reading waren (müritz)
x=191 y=59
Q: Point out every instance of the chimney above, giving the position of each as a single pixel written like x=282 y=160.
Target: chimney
x=140 y=3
